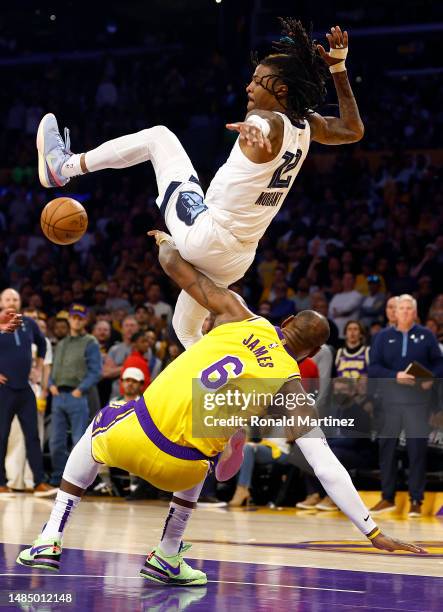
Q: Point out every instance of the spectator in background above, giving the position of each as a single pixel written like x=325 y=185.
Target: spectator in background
x=77 y=367
x=424 y=296
x=112 y=366
x=155 y=364
x=352 y=361
x=132 y=382
x=16 y=395
x=137 y=359
x=406 y=404
x=433 y=326
x=18 y=470
x=104 y=314
x=320 y=304
x=275 y=450
x=391 y=311
x=402 y=282
x=173 y=351
x=266 y=268
x=61 y=329
x=142 y=317
x=373 y=331
x=345 y=305
x=102 y=333
x=302 y=299
x=309 y=375
x=114 y=301
x=100 y=297
x=281 y=305
x=373 y=305
x=161 y=308
x=429 y=266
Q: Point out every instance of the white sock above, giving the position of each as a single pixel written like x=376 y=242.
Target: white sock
x=188 y=319
x=64 y=505
x=174 y=529
x=72 y=167
x=335 y=479
x=177 y=520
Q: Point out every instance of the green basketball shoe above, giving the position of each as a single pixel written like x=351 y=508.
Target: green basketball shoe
x=43 y=554
x=171 y=570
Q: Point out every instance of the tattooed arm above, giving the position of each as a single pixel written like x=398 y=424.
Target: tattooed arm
x=349 y=126
x=339 y=130
x=223 y=303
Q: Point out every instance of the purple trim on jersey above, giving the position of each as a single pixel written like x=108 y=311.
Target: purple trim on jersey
x=107 y=415
x=285 y=346
x=155 y=435
x=65 y=516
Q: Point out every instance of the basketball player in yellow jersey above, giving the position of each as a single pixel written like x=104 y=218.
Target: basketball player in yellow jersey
x=152 y=437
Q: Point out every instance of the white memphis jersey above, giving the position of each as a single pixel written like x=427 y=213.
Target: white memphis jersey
x=244 y=196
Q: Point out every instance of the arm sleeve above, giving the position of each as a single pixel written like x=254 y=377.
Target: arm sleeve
x=377 y=368
x=335 y=479
x=324 y=363
x=93 y=365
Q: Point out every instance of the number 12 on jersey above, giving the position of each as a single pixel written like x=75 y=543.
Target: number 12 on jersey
x=281 y=179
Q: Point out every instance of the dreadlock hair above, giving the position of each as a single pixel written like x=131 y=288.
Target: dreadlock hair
x=299 y=66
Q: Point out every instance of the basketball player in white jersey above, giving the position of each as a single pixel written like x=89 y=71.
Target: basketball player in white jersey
x=218 y=232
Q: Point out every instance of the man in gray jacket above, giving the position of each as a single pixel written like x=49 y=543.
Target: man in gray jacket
x=76 y=368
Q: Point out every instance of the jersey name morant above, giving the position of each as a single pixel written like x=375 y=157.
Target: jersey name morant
x=245 y=196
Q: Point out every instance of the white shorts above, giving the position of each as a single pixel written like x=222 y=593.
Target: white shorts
x=203 y=242
x=211 y=248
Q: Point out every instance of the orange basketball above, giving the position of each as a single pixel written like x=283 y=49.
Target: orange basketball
x=64 y=220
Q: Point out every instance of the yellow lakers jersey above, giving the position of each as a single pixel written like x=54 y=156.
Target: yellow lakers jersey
x=246 y=357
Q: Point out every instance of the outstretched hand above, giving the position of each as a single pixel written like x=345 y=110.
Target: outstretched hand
x=337 y=40
x=252 y=134
x=383 y=542
x=9 y=320
x=161 y=236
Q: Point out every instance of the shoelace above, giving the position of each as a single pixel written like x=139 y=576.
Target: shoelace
x=183 y=548
x=66 y=142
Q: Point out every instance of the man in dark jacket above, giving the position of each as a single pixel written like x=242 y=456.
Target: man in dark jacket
x=77 y=367
x=406 y=403
x=16 y=395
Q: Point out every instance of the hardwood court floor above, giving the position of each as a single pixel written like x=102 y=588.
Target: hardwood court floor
x=258 y=558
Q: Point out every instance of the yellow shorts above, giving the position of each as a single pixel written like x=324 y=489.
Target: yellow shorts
x=118 y=440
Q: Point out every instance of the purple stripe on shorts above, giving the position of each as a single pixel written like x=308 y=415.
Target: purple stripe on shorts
x=66 y=515
x=155 y=435
x=105 y=417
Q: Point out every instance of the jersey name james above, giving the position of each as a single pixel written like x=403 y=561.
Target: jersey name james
x=260 y=351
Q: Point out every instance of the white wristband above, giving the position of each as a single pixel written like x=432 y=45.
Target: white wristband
x=339 y=53
x=262 y=124
x=340 y=67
